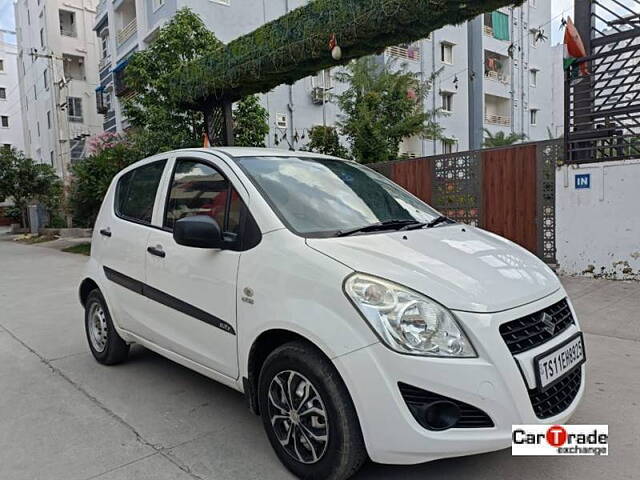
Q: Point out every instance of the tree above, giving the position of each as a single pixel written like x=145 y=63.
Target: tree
x=92 y=177
x=153 y=110
x=500 y=139
x=251 y=122
x=326 y=140
x=24 y=181
x=382 y=106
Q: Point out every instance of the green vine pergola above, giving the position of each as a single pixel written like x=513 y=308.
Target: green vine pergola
x=301 y=43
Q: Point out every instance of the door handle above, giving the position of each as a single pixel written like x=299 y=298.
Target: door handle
x=105 y=232
x=157 y=251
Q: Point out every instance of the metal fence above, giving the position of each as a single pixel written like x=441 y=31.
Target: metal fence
x=602 y=90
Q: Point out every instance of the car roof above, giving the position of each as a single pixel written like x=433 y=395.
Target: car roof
x=236 y=152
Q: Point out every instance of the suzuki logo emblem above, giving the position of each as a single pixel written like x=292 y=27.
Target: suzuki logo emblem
x=549 y=324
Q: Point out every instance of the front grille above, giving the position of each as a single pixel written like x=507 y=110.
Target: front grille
x=557 y=398
x=531 y=331
x=416 y=398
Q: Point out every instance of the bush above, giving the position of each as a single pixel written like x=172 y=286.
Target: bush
x=93 y=175
x=327 y=141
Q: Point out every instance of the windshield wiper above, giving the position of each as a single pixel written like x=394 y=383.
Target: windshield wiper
x=439 y=220
x=380 y=226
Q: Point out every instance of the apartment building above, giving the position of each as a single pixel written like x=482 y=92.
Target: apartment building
x=493 y=73
x=10 y=112
x=58 y=74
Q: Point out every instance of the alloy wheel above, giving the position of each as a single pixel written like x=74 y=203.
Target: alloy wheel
x=298 y=416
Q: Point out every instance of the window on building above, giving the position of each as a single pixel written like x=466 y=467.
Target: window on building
x=3 y=93
x=136 y=192
x=104 y=43
x=38 y=127
x=73 y=67
x=446 y=101
x=198 y=189
x=533 y=116
x=446 y=52
x=67 y=23
x=7 y=145
x=4 y=121
x=156 y=4
x=74 y=109
x=533 y=77
x=1 y=65
x=42 y=37
x=28 y=17
x=49 y=119
x=51 y=157
x=35 y=92
x=45 y=79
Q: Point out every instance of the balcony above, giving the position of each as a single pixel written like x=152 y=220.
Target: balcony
x=497 y=110
x=496 y=67
x=126 y=32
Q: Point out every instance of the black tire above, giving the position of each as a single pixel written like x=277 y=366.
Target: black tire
x=115 y=348
x=344 y=452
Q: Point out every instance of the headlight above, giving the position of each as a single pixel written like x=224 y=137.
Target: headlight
x=407 y=321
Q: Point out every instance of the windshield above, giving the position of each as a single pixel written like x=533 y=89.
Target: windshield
x=318 y=197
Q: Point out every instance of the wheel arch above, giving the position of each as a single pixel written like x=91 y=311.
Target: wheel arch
x=86 y=287
x=262 y=346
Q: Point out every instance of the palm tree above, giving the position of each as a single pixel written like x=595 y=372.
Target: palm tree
x=500 y=139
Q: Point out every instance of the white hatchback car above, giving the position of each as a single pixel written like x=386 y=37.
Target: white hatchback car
x=358 y=322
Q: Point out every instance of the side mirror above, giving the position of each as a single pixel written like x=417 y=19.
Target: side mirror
x=198 y=231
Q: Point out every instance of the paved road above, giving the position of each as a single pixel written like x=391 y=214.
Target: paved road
x=63 y=416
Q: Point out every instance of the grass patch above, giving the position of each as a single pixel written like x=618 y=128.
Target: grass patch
x=81 y=249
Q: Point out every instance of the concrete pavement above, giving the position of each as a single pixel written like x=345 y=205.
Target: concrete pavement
x=63 y=416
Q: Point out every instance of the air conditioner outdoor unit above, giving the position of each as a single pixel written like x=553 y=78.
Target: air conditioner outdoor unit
x=317 y=95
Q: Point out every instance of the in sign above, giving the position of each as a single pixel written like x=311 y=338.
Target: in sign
x=583 y=181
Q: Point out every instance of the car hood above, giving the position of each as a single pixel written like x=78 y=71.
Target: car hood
x=461 y=267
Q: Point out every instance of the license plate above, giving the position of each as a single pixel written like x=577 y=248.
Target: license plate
x=552 y=366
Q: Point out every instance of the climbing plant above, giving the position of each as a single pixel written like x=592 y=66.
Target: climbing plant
x=318 y=35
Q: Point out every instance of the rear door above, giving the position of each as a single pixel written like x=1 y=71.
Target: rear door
x=193 y=290
x=123 y=232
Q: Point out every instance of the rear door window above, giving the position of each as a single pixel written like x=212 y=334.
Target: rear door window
x=136 y=192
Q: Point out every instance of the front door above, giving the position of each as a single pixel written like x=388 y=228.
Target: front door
x=193 y=290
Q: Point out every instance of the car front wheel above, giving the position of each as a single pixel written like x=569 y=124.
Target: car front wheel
x=308 y=414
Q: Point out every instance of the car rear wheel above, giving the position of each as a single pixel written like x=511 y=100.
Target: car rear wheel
x=106 y=345
x=308 y=414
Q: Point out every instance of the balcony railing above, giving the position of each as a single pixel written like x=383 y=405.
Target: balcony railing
x=127 y=32
x=497 y=119
x=488 y=30
x=497 y=76
x=411 y=53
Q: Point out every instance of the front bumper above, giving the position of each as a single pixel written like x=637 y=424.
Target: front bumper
x=496 y=382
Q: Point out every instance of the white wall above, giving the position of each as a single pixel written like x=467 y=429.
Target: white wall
x=598 y=229
x=10 y=106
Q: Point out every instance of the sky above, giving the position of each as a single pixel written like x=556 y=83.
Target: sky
x=6 y=17
x=559 y=8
